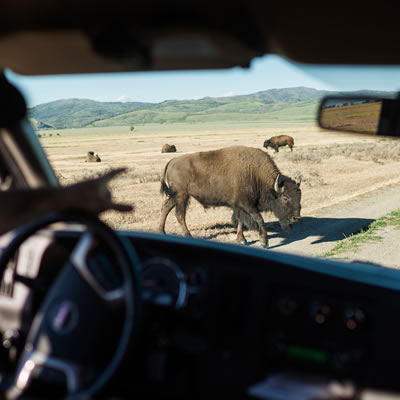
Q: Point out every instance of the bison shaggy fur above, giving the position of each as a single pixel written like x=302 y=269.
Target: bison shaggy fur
x=91 y=157
x=168 y=148
x=243 y=178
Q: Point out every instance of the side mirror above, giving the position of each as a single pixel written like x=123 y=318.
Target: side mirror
x=368 y=115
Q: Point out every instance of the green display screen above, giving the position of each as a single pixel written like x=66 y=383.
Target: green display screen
x=307 y=353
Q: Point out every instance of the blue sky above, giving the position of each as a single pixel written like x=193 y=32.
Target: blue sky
x=267 y=73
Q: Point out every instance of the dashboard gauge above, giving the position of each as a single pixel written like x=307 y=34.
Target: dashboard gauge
x=164 y=283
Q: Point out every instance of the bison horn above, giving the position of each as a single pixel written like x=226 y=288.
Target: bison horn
x=298 y=179
x=276 y=184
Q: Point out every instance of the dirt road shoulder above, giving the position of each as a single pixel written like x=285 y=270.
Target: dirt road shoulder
x=319 y=231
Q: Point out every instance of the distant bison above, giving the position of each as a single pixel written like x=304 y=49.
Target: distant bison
x=168 y=148
x=91 y=157
x=242 y=178
x=278 y=141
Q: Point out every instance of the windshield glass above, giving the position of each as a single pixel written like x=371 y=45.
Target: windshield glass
x=350 y=184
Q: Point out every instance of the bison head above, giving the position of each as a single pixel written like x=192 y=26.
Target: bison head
x=267 y=143
x=287 y=202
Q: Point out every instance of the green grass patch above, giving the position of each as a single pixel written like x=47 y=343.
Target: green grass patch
x=173 y=130
x=367 y=234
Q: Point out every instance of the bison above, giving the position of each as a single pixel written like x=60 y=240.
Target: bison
x=279 y=141
x=91 y=157
x=168 y=148
x=243 y=178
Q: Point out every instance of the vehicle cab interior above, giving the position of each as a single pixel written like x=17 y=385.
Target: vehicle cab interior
x=93 y=311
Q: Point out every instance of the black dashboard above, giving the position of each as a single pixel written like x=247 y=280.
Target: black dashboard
x=220 y=318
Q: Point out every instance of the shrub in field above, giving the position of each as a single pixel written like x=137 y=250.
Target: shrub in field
x=378 y=152
x=304 y=156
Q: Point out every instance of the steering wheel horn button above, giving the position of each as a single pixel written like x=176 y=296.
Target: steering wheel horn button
x=64 y=316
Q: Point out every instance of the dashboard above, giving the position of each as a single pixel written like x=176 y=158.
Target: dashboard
x=220 y=318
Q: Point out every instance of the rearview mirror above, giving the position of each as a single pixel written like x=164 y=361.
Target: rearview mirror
x=368 y=115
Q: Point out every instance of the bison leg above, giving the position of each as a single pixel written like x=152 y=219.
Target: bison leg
x=239 y=236
x=181 y=205
x=167 y=206
x=276 y=149
x=255 y=214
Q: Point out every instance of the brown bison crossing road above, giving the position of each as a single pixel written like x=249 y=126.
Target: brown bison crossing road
x=242 y=178
x=319 y=231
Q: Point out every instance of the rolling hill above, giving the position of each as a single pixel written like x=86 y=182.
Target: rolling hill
x=77 y=113
x=298 y=103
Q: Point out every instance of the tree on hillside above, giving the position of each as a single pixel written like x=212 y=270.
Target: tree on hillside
x=132 y=127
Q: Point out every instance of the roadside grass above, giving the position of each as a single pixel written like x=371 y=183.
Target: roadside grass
x=367 y=234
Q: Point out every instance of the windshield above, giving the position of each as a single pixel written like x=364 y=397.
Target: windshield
x=348 y=207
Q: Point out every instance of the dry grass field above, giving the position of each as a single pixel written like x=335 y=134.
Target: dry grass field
x=335 y=167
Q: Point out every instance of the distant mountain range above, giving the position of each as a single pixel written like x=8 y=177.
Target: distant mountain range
x=298 y=103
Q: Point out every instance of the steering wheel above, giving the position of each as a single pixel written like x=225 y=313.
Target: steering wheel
x=89 y=314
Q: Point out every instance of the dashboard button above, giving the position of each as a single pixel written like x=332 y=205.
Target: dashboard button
x=354 y=317
x=320 y=312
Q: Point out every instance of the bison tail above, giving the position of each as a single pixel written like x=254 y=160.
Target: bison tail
x=164 y=188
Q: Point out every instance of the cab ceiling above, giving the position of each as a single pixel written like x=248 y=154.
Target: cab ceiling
x=59 y=37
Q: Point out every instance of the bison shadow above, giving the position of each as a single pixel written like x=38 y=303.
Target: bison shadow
x=326 y=229
x=218 y=228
